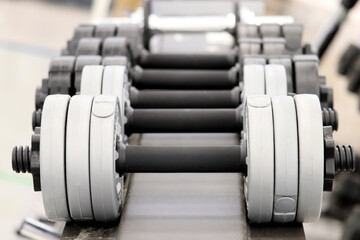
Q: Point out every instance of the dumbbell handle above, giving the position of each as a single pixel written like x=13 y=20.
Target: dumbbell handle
x=185 y=99
x=135 y=159
x=195 y=120
x=190 y=120
x=184 y=79
x=187 y=61
x=183 y=120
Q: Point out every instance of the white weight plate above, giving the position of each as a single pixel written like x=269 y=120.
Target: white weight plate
x=77 y=157
x=259 y=184
x=287 y=63
x=52 y=157
x=311 y=157
x=106 y=185
x=286 y=159
x=254 y=81
x=91 y=80
x=275 y=80
x=115 y=81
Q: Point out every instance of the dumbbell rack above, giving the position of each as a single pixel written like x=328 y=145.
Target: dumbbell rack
x=185 y=205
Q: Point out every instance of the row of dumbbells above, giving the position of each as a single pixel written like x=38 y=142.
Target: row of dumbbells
x=80 y=154
x=107 y=40
x=65 y=72
x=59 y=82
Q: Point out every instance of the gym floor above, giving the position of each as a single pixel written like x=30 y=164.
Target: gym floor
x=33 y=31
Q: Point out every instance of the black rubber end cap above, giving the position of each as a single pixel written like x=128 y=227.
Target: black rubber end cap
x=14 y=164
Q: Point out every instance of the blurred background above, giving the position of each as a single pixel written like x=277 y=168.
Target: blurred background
x=33 y=31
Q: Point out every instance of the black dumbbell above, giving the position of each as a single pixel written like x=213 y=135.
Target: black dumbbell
x=113 y=80
x=301 y=73
x=104 y=146
x=149 y=4
x=270 y=39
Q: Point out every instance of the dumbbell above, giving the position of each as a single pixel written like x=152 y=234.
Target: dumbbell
x=112 y=80
x=237 y=29
x=118 y=45
x=218 y=9
x=268 y=39
x=301 y=73
x=225 y=79
x=79 y=158
x=289 y=33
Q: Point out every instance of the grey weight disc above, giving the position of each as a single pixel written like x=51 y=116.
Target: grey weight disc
x=89 y=46
x=106 y=185
x=259 y=135
x=133 y=33
x=60 y=72
x=293 y=36
x=311 y=157
x=104 y=30
x=275 y=80
x=115 y=60
x=306 y=74
x=115 y=46
x=52 y=157
x=247 y=30
x=270 y=30
x=91 y=80
x=286 y=159
x=77 y=158
x=273 y=46
x=250 y=46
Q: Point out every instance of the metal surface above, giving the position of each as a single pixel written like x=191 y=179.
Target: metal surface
x=184 y=206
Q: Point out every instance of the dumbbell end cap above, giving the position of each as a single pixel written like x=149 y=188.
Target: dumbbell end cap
x=21 y=159
x=345 y=159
